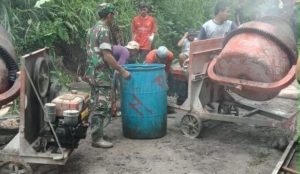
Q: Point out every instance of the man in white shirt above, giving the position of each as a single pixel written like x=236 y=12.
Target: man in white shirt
x=219 y=26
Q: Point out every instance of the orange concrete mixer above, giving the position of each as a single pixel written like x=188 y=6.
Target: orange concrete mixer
x=9 y=86
x=258 y=59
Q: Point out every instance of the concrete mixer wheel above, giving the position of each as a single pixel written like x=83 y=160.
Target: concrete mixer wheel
x=191 y=125
x=15 y=167
x=228 y=109
x=41 y=76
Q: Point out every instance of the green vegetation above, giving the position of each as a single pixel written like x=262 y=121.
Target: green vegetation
x=61 y=25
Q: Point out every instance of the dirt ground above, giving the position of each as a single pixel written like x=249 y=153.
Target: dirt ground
x=223 y=148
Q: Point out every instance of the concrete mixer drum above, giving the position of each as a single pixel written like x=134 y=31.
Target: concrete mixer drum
x=258 y=59
x=9 y=85
x=255 y=61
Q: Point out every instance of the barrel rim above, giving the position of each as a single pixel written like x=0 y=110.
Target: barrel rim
x=143 y=67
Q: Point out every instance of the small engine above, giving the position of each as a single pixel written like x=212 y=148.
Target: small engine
x=69 y=135
x=68 y=115
x=71 y=118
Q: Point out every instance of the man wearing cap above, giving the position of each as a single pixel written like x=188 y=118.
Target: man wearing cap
x=143 y=28
x=123 y=54
x=161 y=55
x=98 y=73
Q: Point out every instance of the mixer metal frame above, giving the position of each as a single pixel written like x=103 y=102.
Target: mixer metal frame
x=286 y=163
x=201 y=91
x=20 y=150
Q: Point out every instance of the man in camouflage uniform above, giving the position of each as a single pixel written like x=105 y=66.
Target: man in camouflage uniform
x=98 y=74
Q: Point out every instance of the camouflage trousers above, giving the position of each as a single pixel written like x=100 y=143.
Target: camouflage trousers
x=100 y=110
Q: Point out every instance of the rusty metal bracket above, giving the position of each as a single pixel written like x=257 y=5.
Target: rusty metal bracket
x=285 y=159
x=198 y=77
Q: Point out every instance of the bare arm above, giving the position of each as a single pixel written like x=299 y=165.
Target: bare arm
x=132 y=36
x=110 y=60
x=153 y=30
x=180 y=42
x=133 y=30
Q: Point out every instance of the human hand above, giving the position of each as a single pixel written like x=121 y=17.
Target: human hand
x=151 y=37
x=126 y=74
x=185 y=64
x=91 y=81
x=186 y=34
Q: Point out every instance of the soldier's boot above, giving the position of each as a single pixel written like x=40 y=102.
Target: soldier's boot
x=101 y=143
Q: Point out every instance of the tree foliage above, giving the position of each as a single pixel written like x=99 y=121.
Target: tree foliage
x=61 y=25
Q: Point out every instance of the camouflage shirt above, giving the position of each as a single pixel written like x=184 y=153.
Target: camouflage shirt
x=98 y=38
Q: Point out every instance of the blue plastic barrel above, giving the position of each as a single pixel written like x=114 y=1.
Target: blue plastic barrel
x=144 y=101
